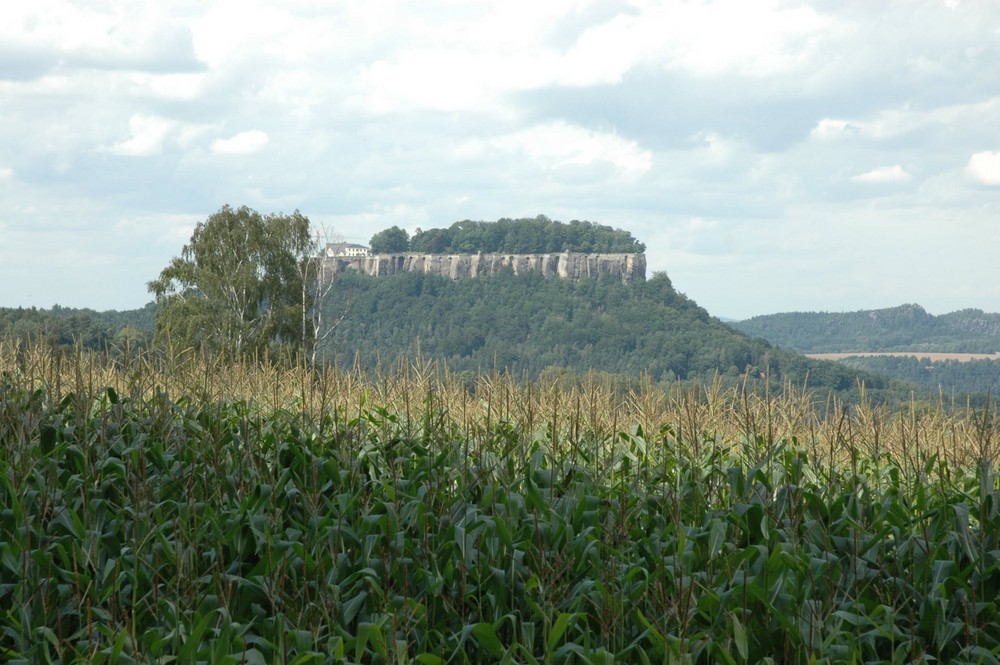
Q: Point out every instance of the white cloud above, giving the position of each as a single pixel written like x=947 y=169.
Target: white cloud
x=6 y=173
x=906 y=119
x=558 y=145
x=180 y=86
x=757 y=38
x=147 y=136
x=114 y=36
x=49 y=23
x=984 y=167
x=833 y=128
x=244 y=143
x=884 y=175
x=713 y=149
x=246 y=29
x=493 y=51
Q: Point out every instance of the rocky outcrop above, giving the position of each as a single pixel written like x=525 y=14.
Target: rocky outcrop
x=566 y=265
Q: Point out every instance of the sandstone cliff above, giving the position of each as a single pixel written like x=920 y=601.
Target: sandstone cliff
x=566 y=265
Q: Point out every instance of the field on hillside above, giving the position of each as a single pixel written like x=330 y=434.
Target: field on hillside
x=934 y=357
x=162 y=509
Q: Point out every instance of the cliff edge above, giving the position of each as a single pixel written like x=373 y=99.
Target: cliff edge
x=565 y=265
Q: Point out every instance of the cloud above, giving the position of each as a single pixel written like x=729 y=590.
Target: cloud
x=714 y=150
x=147 y=136
x=833 y=128
x=236 y=30
x=904 y=120
x=175 y=86
x=559 y=145
x=487 y=53
x=62 y=34
x=758 y=39
x=244 y=143
x=884 y=175
x=984 y=167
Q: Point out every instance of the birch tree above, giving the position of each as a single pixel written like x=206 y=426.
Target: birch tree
x=317 y=280
x=237 y=287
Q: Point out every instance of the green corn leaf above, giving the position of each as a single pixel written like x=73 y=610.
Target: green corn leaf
x=716 y=536
x=740 y=637
x=486 y=637
x=189 y=649
x=558 y=629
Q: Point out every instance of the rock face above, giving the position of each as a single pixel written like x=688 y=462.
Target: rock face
x=567 y=265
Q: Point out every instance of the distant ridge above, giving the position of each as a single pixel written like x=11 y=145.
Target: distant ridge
x=904 y=328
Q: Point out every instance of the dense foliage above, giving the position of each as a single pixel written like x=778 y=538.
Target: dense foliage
x=973 y=376
x=527 y=525
x=539 y=235
x=69 y=327
x=903 y=328
x=240 y=286
x=528 y=324
x=390 y=241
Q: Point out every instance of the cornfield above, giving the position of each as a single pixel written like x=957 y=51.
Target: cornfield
x=172 y=509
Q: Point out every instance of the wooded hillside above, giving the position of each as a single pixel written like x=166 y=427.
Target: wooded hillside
x=532 y=326
x=903 y=328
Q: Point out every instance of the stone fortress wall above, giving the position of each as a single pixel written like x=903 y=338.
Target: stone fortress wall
x=565 y=265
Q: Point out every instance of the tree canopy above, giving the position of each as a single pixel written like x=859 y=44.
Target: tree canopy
x=238 y=286
x=390 y=241
x=67 y=327
x=538 y=235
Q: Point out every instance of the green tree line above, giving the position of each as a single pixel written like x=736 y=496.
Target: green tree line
x=538 y=235
x=950 y=376
x=903 y=328
x=68 y=327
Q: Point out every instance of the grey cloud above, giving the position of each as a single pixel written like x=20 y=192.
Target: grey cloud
x=24 y=64
x=169 y=51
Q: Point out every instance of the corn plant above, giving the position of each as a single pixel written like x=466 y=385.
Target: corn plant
x=170 y=509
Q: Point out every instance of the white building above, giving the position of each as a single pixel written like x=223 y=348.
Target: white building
x=345 y=249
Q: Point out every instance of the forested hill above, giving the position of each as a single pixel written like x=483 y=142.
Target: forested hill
x=533 y=326
x=903 y=328
x=86 y=328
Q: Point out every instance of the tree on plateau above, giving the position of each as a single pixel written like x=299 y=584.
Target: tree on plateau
x=390 y=241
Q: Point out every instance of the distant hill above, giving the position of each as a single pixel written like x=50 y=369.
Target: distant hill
x=896 y=329
x=903 y=328
x=86 y=328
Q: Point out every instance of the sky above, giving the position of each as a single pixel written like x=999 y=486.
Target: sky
x=774 y=156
